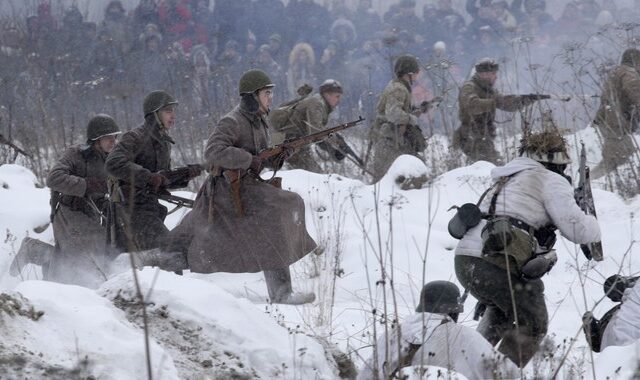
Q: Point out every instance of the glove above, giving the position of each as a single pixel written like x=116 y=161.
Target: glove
x=194 y=171
x=256 y=164
x=95 y=185
x=157 y=180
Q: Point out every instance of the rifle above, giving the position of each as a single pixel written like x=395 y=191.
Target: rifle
x=280 y=153
x=298 y=142
x=584 y=199
x=176 y=200
x=180 y=177
x=3 y=140
x=562 y=98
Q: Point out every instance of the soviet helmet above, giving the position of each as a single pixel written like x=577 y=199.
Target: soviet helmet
x=330 y=85
x=253 y=80
x=156 y=100
x=101 y=125
x=546 y=147
x=487 y=65
x=406 y=64
x=441 y=297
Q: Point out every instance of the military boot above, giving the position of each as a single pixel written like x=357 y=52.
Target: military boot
x=279 y=288
x=32 y=251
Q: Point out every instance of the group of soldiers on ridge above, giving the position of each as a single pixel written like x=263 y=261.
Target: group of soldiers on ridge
x=529 y=200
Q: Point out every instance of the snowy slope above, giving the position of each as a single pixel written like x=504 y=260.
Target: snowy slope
x=370 y=235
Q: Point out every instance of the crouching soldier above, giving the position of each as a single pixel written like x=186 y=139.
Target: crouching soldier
x=307 y=115
x=432 y=337
x=499 y=260
x=241 y=223
x=78 y=183
x=138 y=163
x=619 y=325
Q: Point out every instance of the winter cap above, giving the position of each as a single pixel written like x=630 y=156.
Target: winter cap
x=330 y=85
x=487 y=65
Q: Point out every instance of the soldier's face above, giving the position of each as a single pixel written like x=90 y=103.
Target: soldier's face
x=107 y=143
x=167 y=116
x=491 y=77
x=332 y=98
x=265 y=98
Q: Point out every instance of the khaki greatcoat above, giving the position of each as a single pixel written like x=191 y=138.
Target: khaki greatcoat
x=271 y=234
x=81 y=255
x=139 y=153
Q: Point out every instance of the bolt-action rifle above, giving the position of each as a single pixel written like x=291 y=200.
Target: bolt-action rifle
x=278 y=154
x=3 y=140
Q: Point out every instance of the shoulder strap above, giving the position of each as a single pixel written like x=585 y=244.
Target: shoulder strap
x=499 y=185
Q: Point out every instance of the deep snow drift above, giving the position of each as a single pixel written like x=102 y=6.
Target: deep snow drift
x=220 y=324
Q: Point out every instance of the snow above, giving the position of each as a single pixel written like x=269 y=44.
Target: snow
x=371 y=232
x=78 y=323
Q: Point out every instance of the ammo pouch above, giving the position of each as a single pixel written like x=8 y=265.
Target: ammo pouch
x=505 y=242
x=502 y=242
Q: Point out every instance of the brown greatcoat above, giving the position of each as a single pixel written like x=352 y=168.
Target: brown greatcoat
x=81 y=256
x=140 y=152
x=618 y=116
x=478 y=101
x=271 y=234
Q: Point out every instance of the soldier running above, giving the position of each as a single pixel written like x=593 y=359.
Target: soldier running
x=137 y=163
x=78 y=183
x=240 y=222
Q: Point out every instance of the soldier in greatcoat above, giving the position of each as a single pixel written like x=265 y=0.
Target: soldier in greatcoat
x=619 y=113
x=138 y=163
x=478 y=101
x=254 y=226
x=78 y=183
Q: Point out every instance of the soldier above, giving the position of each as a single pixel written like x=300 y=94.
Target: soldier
x=618 y=115
x=529 y=199
x=396 y=129
x=619 y=325
x=309 y=115
x=78 y=183
x=137 y=163
x=241 y=223
x=478 y=101
x=432 y=337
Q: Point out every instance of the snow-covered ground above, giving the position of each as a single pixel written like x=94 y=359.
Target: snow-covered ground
x=219 y=325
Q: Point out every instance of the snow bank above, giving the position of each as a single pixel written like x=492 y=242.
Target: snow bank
x=78 y=331
x=211 y=333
